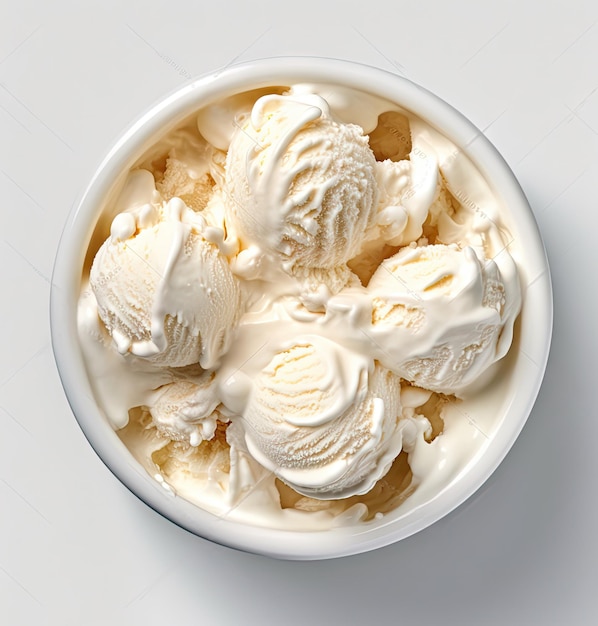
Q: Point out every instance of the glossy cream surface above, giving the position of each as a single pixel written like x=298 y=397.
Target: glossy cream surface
x=299 y=314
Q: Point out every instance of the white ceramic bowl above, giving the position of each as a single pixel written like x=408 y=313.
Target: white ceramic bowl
x=527 y=364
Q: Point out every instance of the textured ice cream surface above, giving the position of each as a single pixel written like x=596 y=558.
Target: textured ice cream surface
x=185 y=410
x=326 y=430
x=186 y=167
x=190 y=171
x=178 y=182
x=411 y=195
x=299 y=183
x=163 y=291
x=406 y=192
x=446 y=308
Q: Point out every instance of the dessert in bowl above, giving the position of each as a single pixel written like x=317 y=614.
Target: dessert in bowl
x=303 y=308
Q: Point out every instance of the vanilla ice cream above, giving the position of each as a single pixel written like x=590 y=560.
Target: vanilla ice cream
x=163 y=291
x=446 y=308
x=324 y=429
x=299 y=294
x=406 y=190
x=185 y=410
x=300 y=184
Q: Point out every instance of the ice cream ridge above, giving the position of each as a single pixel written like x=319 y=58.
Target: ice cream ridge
x=302 y=299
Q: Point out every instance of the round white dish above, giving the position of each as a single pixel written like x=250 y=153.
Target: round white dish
x=527 y=360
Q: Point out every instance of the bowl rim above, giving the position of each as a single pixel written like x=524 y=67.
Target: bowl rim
x=65 y=285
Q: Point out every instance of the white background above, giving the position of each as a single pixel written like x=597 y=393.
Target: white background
x=76 y=548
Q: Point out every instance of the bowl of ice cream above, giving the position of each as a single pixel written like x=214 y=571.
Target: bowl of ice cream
x=302 y=309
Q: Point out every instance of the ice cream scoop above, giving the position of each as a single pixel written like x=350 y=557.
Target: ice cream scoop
x=326 y=422
x=300 y=185
x=443 y=309
x=164 y=292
